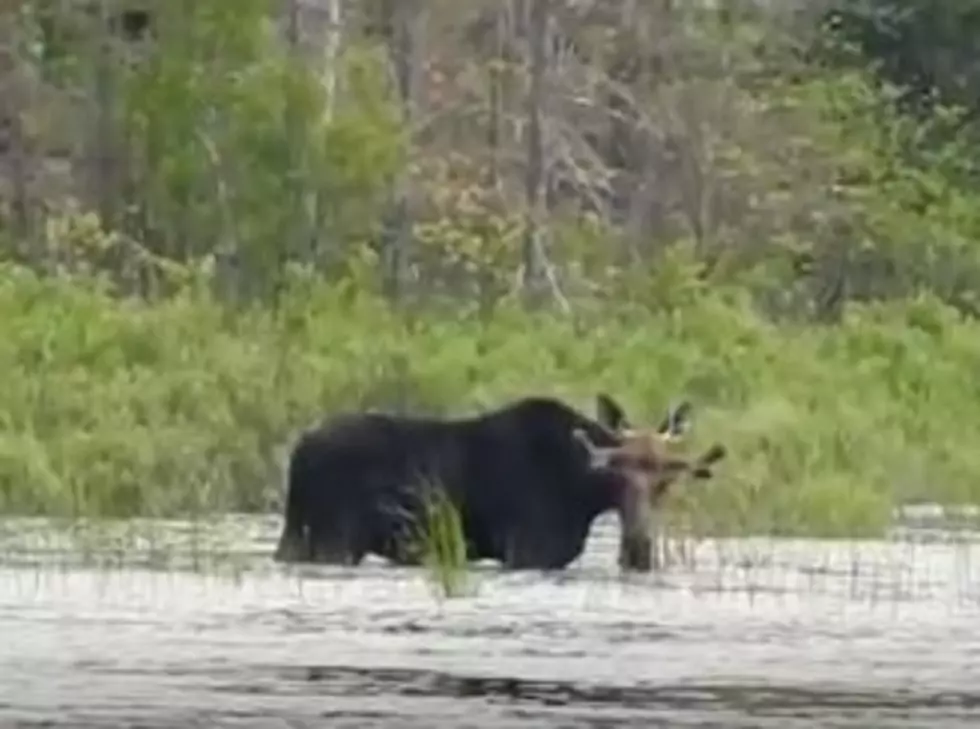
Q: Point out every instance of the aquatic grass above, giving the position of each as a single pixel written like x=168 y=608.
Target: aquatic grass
x=440 y=541
x=197 y=545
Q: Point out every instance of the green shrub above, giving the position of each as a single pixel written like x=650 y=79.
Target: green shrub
x=122 y=407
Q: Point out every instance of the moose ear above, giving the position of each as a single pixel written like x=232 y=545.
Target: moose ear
x=677 y=421
x=610 y=414
x=598 y=457
x=583 y=438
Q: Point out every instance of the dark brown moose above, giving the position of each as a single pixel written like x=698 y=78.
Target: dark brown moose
x=527 y=480
x=644 y=460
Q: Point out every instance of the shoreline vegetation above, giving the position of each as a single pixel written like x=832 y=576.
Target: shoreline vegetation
x=754 y=210
x=180 y=406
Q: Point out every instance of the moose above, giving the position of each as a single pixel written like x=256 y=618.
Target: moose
x=646 y=469
x=527 y=481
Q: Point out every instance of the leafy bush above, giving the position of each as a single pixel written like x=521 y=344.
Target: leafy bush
x=123 y=407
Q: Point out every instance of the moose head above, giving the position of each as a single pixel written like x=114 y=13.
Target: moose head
x=645 y=465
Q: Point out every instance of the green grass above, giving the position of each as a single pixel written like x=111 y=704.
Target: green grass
x=181 y=408
x=440 y=541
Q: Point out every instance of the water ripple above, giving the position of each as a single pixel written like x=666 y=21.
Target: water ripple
x=158 y=631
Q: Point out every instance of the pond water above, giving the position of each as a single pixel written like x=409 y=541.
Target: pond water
x=177 y=625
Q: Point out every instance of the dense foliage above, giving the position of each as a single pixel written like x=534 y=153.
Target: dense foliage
x=744 y=208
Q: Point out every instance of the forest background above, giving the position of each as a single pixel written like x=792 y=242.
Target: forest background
x=222 y=220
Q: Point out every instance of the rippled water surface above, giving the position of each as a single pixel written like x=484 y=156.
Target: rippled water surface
x=167 y=625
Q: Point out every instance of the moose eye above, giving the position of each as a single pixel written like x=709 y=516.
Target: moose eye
x=649 y=464
x=633 y=462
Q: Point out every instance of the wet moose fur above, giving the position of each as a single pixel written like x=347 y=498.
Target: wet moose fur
x=525 y=488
